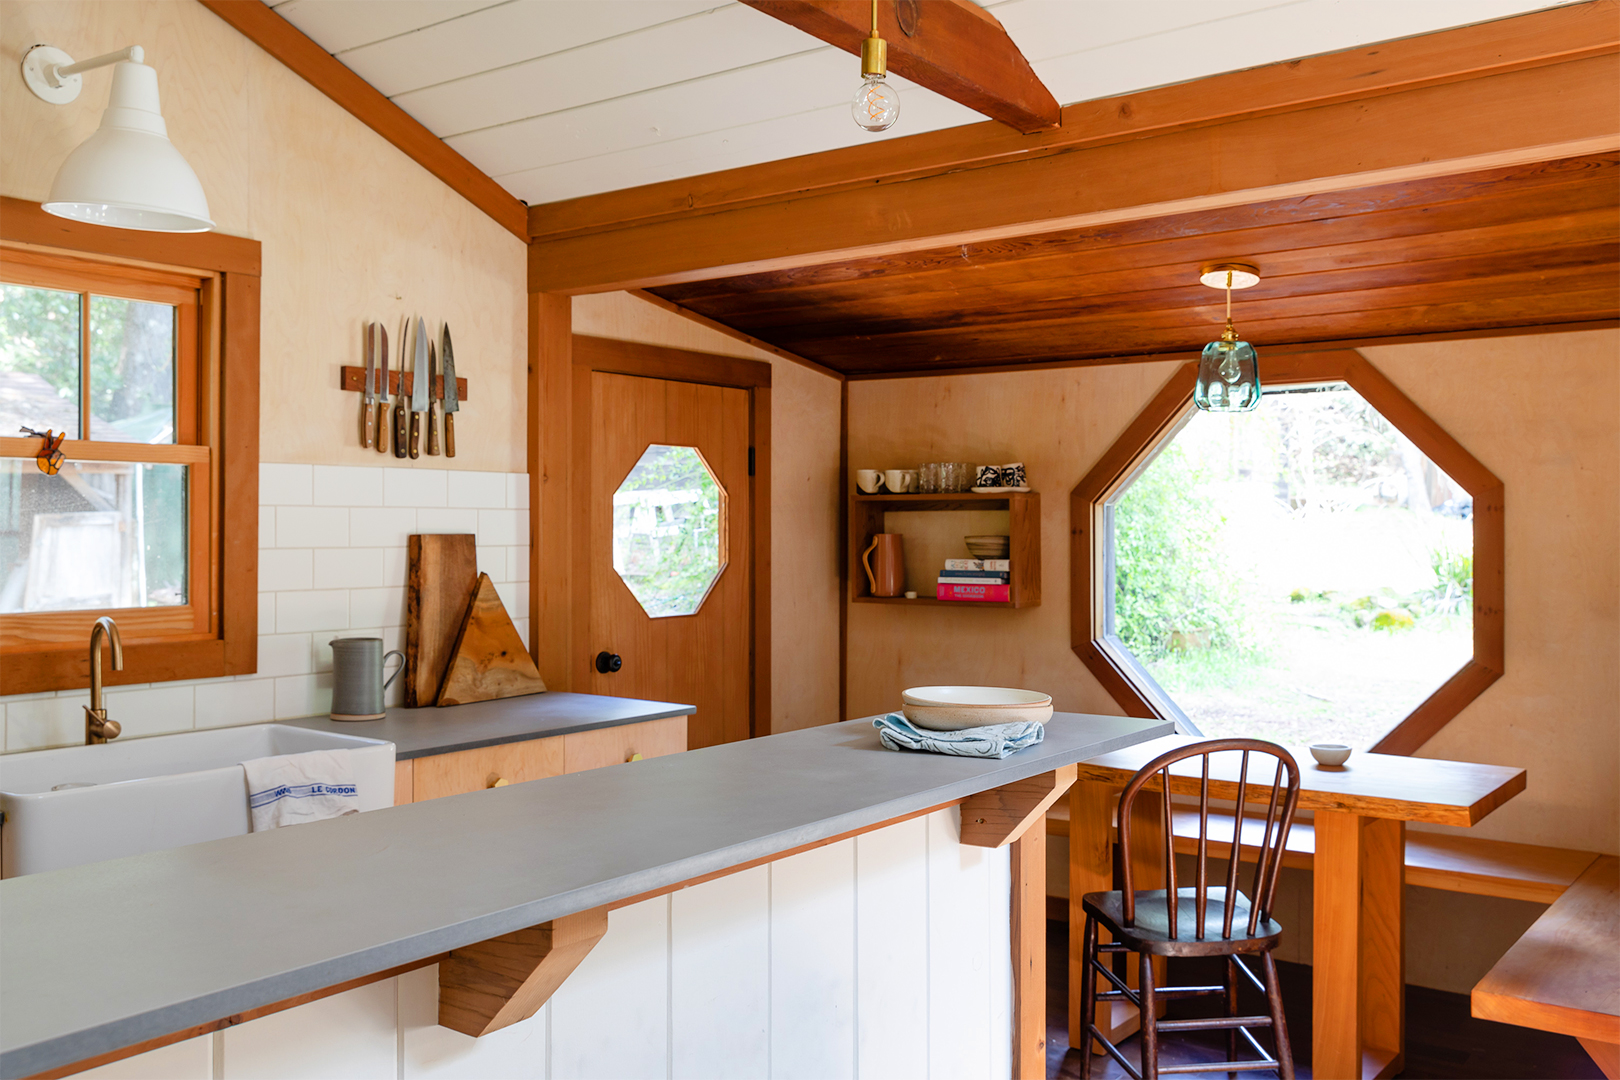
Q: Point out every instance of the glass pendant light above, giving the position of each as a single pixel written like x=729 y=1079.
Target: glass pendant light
x=877 y=104
x=1229 y=371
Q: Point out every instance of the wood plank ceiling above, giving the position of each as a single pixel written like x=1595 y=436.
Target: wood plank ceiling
x=1512 y=247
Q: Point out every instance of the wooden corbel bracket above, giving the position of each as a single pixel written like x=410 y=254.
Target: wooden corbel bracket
x=496 y=983
x=997 y=817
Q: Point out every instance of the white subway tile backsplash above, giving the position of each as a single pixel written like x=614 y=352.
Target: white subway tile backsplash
x=156 y=710
x=267 y=527
x=267 y=613
x=503 y=527
x=349 y=568
x=242 y=701
x=348 y=485
x=414 y=487
x=492 y=561
x=518 y=563
x=283 y=569
x=312 y=526
x=517 y=491
x=318 y=609
x=303 y=695
x=382 y=527
x=285 y=654
x=477 y=489
x=40 y=722
x=395 y=563
x=515 y=595
x=284 y=485
x=456 y=520
x=377 y=607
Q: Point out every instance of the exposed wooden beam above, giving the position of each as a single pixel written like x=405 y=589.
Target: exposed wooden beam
x=952 y=47
x=1546 y=37
x=260 y=24
x=747 y=339
x=1536 y=114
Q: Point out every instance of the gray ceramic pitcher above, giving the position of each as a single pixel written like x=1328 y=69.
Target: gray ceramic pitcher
x=357 y=677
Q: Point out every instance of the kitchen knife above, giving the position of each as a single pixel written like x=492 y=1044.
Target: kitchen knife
x=368 y=418
x=400 y=430
x=419 y=388
x=382 y=388
x=452 y=396
x=432 y=428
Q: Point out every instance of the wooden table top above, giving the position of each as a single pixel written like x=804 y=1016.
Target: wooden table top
x=1563 y=974
x=1373 y=785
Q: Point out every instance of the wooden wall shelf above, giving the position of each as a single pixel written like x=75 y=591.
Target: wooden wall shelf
x=866 y=514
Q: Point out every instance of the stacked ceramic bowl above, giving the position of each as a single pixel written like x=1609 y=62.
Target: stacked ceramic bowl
x=952 y=708
x=988 y=547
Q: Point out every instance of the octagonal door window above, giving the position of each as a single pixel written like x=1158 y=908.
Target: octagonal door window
x=1302 y=573
x=669 y=530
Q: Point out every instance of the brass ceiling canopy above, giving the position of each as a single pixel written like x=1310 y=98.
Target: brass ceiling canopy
x=1243 y=275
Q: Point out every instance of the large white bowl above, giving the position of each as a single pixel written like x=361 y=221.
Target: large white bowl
x=952 y=708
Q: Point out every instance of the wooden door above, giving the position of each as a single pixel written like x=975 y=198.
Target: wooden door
x=652 y=441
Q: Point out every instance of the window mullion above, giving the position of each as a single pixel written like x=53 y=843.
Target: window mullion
x=84 y=365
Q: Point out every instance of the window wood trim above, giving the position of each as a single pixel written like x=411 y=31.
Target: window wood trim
x=223 y=414
x=1125 y=680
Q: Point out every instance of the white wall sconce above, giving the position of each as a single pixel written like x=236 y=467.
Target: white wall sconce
x=128 y=174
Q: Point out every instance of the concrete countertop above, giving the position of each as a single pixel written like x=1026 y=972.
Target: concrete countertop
x=423 y=732
x=103 y=956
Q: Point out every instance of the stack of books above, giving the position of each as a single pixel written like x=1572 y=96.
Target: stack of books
x=975 y=579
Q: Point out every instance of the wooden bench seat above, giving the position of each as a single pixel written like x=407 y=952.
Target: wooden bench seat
x=1563 y=975
x=1454 y=863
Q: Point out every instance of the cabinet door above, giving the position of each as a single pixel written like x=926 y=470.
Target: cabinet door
x=486 y=767
x=404 y=782
x=615 y=745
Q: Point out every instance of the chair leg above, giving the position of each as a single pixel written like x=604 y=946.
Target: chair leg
x=1149 y=1021
x=1279 y=1026
x=1231 y=1010
x=1088 y=997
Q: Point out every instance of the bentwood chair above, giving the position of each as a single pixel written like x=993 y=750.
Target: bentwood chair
x=1180 y=921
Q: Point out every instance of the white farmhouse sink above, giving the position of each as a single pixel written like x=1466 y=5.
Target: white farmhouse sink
x=83 y=804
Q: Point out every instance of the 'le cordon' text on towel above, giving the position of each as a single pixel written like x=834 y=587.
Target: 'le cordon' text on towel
x=295 y=788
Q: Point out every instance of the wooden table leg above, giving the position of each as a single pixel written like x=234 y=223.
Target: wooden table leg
x=1359 y=962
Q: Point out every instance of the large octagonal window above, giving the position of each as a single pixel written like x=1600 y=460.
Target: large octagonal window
x=1301 y=573
x=669 y=529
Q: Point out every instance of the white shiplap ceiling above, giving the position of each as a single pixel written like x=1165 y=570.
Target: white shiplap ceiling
x=558 y=98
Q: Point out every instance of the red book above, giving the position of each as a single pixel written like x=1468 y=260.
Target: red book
x=973 y=592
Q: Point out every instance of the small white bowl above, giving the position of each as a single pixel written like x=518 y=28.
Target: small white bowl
x=1331 y=754
x=952 y=708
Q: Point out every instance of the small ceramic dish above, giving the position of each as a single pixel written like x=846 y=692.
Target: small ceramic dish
x=952 y=708
x=999 y=490
x=988 y=547
x=1331 y=754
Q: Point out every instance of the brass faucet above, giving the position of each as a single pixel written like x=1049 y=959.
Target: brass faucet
x=97 y=728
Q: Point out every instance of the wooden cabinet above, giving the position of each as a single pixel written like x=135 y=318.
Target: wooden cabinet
x=866 y=519
x=615 y=745
x=513 y=763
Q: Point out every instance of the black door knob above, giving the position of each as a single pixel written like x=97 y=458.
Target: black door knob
x=607 y=662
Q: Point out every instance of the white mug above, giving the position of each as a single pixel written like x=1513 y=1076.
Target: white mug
x=896 y=480
x=868 y=480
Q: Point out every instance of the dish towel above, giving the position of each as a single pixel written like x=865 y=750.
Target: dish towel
x=296 y=788
x=994 y=741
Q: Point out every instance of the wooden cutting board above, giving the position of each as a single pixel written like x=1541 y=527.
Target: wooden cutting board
x=489 y=660
x=438 y=588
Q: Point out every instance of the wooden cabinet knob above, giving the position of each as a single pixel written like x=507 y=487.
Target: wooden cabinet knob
x=633 y=757
x=499 y=781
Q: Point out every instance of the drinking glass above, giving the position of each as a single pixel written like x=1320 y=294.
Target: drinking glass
x=928 y=478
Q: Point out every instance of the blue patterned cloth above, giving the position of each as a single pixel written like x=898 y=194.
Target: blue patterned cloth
x=995 y=741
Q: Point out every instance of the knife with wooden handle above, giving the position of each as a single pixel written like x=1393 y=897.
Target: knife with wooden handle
x=419 y=388
x=432 y=427
x=368 y=418
x=452 y=393
x=382 y=388
x=401 y=431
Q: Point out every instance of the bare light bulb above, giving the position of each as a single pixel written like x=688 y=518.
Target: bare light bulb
x=877 y=104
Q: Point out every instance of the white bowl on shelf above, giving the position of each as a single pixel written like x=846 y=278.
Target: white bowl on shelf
x=952 y=708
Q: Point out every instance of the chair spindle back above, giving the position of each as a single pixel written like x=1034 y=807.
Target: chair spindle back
x=1279 y=819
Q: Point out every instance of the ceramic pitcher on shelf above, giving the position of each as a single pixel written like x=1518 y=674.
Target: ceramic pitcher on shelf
x=888 y=577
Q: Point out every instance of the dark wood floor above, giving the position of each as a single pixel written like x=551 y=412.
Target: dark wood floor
x=1442 y=1039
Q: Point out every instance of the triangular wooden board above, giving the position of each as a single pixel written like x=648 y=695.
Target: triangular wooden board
x=489 y=660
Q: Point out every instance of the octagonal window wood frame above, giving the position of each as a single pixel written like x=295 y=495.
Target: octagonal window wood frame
x=1125 y=678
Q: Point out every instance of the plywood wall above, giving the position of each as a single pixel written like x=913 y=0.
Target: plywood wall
x=804 y=494
x=1539 y=411
x=351 y=228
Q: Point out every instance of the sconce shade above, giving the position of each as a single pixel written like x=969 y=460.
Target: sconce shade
x=128 y=174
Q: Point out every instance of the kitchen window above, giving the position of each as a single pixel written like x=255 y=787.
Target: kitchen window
x=144 y=364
